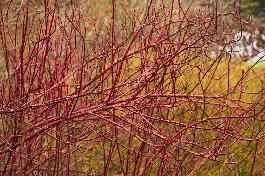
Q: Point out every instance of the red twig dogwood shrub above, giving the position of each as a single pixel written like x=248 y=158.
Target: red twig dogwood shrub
x=118 y=88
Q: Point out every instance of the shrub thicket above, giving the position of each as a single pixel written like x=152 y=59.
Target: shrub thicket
x=128 y=88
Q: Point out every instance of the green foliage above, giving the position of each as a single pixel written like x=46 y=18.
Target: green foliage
x=253 y=7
